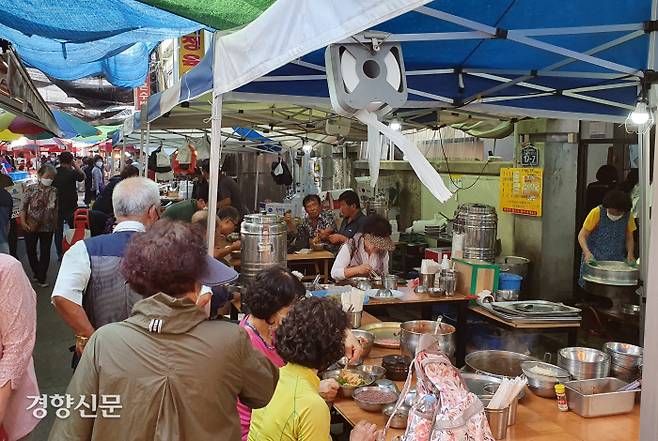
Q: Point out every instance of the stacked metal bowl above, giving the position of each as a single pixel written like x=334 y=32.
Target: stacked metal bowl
x=584 y=363
x=626 y=360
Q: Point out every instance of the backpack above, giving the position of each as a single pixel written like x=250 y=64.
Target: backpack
x=443 y=409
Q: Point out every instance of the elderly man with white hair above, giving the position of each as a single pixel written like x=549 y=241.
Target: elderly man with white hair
x=90 y=291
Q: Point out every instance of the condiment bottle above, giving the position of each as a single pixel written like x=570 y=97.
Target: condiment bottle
x=562 y=404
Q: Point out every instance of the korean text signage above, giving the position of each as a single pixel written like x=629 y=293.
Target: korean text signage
x=521 y=190
x=190 y=51
x=142 y=95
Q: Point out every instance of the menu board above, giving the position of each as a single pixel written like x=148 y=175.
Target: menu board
x=521 y=190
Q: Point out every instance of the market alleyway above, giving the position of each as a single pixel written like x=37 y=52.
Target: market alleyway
x=51 y=356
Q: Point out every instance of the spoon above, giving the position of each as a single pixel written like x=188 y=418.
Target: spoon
x=439 y=319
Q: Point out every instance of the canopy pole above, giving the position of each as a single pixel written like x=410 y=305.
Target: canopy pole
x=649 y=404
x=215 y=153
x=145 y=161
x=142 y=125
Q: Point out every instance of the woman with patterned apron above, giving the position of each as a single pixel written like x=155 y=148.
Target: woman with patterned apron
x=607 y=233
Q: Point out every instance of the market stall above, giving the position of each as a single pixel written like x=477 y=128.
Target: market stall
x=582 y=62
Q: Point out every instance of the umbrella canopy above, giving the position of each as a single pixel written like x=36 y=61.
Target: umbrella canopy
x=13 y=127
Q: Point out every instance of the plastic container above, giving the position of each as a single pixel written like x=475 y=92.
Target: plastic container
x=560 y=393
x=508 y=281
x=18 y=175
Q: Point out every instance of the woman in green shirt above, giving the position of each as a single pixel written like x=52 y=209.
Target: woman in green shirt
x=297 y=412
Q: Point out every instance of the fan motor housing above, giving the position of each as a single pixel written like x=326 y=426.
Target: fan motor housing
x=360 y=78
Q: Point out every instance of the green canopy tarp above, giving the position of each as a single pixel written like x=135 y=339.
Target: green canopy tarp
x=218 y=14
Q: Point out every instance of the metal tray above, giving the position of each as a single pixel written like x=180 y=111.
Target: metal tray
x=530 y=320
x=611 y=273
x=383 y=332
x=599 y=397
x=535 y=308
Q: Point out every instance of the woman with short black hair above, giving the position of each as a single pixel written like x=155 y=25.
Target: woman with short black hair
x=310 y=338
x=607 y=233
x=366 y=252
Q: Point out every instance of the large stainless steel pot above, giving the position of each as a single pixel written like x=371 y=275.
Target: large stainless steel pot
x=479 y=225
x=611 y=273
x=497 y=363
x=514 y=265
x=264 y=244
x=410 y=333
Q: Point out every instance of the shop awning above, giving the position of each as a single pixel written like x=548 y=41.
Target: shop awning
x=79 y=38
x=580 y=60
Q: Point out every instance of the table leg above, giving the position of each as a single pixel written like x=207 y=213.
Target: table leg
x=572 y=336
x=326 y=271
x=462 y=311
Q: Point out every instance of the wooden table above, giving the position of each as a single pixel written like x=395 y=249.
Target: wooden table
x=321 y=260
x=571 y=328
x=425 y=301
x=537 y=420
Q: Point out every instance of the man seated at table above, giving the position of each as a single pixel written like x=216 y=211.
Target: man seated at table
x=228 y=218
x=315 y=228
x=366 y=253
x=353 y=218
x=184 y=210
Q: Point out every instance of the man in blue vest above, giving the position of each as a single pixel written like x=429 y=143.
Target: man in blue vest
x=90 y=291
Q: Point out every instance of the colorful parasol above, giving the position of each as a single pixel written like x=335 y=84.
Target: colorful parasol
x=13 y=127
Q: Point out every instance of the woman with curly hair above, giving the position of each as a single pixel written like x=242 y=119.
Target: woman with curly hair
x=269 y=298
x=175 y=374
x=309 y=339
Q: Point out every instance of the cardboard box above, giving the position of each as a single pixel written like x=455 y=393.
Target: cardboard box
x=474 y=276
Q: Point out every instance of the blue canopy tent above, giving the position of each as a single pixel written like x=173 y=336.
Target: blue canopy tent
x=79 y=38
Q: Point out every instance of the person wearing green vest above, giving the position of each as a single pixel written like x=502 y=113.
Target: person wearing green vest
x=184 y=210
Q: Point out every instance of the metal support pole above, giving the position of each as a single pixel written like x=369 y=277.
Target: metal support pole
x=215 y=153
x=145 y=157
x=649 y=404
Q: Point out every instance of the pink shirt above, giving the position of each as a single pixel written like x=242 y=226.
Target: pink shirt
x=18 y=323
x=270 y=353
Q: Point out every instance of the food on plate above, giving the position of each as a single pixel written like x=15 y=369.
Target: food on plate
x=377 y=396
x=351 y=379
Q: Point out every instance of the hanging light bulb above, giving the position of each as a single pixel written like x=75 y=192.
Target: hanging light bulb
x=640 y=115
x=395 y=125
x=307 y=147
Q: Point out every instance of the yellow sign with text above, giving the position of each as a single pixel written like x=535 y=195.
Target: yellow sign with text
x=521 y=191
x=190 y=51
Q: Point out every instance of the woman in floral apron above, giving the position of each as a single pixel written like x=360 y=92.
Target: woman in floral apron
x=39 y=221
x=607 y=233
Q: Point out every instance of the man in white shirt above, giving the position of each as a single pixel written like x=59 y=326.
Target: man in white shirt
x=90 y=291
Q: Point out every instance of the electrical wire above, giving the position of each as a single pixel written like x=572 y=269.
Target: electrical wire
x=445 y=158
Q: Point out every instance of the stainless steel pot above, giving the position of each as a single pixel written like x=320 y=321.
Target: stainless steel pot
x=390 y=282
x=264 y=244
x=611 y=273
x=479 y=225
x=514 y=265
x=410 y=333
x=497 y=363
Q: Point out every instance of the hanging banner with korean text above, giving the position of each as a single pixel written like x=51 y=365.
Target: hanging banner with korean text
x=142 y=94
x=190 y=51
x=521 y=191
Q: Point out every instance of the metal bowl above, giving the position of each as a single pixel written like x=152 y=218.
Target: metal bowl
x=630 y=309
x=544 y=385
x=373 y=407
x=347 y=391
x=376 y=372
x=624 y=355
x=387 y=334
x=367 y=339
x=362 y=283
x=411 y=331
x=497 y=363
x=399 y=420
x=584 y=363
x=436 y=292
